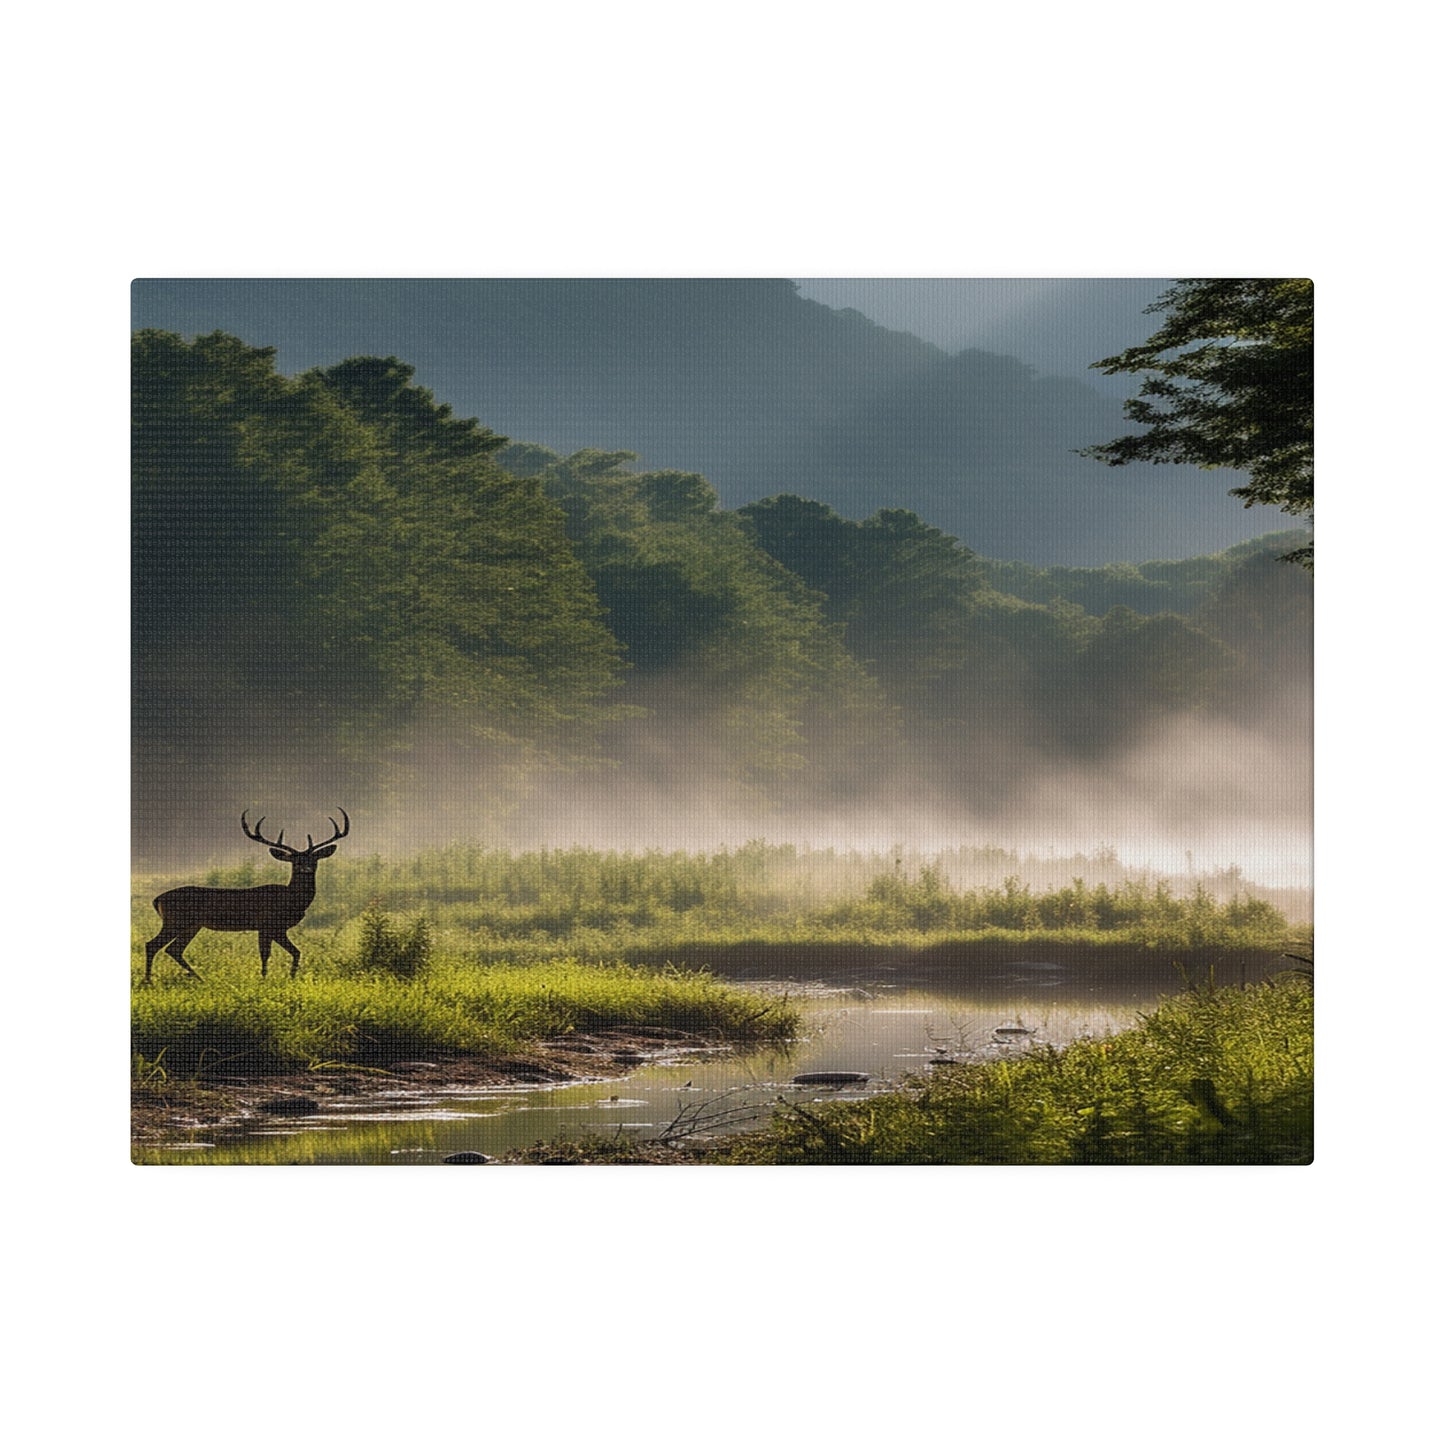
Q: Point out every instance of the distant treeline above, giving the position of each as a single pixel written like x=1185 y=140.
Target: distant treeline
x=345 y=591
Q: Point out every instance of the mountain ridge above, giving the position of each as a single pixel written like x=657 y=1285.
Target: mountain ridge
x=756 y=387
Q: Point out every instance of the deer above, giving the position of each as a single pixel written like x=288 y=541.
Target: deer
x=269 y=911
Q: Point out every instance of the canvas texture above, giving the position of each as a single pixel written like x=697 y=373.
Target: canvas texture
x=722 y=722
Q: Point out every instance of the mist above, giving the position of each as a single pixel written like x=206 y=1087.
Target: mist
x=1058 y=326
x=1195 y=800
x=1195 y=796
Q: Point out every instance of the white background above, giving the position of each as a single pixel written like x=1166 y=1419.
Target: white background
x=758 y=140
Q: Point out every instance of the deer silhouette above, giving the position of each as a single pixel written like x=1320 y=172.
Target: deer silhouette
x=268 y=912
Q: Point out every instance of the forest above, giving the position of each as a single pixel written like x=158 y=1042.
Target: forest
x=345 y=591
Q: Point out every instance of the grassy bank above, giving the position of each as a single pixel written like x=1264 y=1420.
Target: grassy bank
x=235 y=1023
x=1217 y=1076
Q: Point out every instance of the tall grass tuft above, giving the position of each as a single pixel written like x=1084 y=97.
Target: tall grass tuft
x=386 y=949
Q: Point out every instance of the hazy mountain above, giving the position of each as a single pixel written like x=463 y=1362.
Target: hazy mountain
x=757 y=388
x=1058 y=325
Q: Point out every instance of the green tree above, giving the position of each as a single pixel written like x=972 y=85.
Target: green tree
x=731 y=657
x=335 y=584
x=1230 y=384
x=489 y=617
x=1266 y=614
x=1142 y=667
x=380 y=391
x=235 y=673
x=901 y=589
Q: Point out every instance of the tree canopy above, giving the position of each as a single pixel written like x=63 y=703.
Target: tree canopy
x=1230 y=384
x=899 y=588
x=730 y=656
x=333 y=583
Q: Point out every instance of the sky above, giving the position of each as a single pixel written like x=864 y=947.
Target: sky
x=1058 y=326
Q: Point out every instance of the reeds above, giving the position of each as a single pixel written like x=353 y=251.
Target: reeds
x=560 y=902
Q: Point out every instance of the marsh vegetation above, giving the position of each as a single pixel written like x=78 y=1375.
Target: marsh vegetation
x=472 y=953
x=495 y=904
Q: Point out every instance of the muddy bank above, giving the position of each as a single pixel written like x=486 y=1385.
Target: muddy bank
x=168 y=1113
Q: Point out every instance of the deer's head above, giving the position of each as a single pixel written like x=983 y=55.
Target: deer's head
x=302 y=860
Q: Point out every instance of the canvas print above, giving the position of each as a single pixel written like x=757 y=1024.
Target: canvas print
x=715 y=722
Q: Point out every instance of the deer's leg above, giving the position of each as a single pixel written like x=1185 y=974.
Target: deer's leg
x=177 y=949
x=153 y=947
x=293 y=951
x=263 y=942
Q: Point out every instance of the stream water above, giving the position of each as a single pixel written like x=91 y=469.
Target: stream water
x=884 y=1029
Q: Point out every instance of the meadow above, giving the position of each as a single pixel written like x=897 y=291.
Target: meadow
x=492 y=905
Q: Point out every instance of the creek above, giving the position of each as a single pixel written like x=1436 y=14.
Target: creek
x=887 y=1021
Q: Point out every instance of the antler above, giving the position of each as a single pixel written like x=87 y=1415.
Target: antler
x=338 y=832
x=257 y=837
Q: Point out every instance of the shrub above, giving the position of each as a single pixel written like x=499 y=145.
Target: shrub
x=384 y=949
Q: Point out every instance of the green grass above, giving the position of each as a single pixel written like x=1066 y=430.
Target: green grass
x=233 y=1022
x=1214 y=1076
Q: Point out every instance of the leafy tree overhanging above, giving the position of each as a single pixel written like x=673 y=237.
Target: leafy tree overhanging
x=1230 y=383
